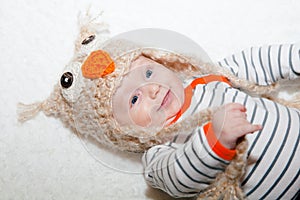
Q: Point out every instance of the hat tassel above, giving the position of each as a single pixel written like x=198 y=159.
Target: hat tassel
x=27 y=112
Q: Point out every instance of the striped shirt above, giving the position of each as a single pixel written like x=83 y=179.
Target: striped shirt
x=187 y=164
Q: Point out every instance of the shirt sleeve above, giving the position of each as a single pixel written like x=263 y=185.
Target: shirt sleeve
x=266 y=64
x=183 y=170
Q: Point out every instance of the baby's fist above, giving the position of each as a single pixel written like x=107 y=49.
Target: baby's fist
x=230 y=123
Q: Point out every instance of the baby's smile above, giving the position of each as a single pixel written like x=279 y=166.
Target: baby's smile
x=166 y=100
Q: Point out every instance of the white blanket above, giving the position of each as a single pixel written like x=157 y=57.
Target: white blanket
x=41 y=159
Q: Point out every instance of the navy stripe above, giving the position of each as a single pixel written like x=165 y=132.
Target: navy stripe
x=161 y=175
x=234 y=96
x=253 y=65
x=279 y=62
x=154 y=178
x=196 y=168
x=264 y=151
x=163 y=182
x=200 y=100
x=188 y=137
x=172 y=181
x=297 y=175
x=263 y=103
x=175 y=138
x=297 y=195
x=169 y=175
x=209 y=152
x=157 y=150
x=182 y=184
x=231 y=69
x=145 y=158
x=290 y=185
x=234 y=60
x=270 y=64
x=245 y=100
x=186 y=174
x=219 y=63
x=274 y=162
x=258 y=133
x=223 y=95
x=226 y=62
x=160 y=162
x=262 y=66
x=246 y=65
x=291 y=62
x=200 y=159
x=213 y=95
x=282 y=174
x=253 y=114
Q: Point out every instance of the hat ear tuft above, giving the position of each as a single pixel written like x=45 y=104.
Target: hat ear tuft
x=91 y=29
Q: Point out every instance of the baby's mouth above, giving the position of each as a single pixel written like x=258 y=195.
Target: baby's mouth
x=166 y=100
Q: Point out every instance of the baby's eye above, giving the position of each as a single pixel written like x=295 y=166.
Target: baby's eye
x=134 y=99
x=148 y=73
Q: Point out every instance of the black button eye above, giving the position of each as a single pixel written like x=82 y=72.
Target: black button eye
x=66 y=80
x=88 y=40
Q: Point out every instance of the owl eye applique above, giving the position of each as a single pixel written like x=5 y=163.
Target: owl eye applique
x=66 y=80
x=88 y=40
x=71 y=82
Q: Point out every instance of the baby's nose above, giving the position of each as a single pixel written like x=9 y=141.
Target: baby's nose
x=153 y=90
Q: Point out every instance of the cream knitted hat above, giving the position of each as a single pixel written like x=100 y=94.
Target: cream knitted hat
x=82 y=99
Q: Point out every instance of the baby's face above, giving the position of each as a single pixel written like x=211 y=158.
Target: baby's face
x=150 y=95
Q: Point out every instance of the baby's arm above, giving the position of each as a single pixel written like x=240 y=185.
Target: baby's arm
x=265 y=65
x=183 y=170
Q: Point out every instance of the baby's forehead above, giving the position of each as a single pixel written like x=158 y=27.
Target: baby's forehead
x=140 y=61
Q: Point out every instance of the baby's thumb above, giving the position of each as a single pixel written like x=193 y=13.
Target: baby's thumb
x=253 y=127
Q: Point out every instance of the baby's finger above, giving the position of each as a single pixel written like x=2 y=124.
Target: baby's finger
x=250 y=128
x=235 y=106
x=238 y=114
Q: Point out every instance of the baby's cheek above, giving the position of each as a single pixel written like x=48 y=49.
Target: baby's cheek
x=174 y=108
x=149 y=117
x=158 y=118
x=140 y=117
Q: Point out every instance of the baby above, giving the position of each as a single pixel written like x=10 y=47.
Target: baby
x=151 y=95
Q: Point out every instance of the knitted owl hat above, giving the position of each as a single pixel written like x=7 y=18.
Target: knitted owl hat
x=82 y=99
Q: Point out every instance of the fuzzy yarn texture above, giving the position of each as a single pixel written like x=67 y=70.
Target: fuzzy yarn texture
x=37 y=40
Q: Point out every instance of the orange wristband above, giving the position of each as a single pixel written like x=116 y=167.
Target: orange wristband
x=215 y=145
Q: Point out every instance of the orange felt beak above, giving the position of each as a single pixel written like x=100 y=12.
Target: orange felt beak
x=97 y=65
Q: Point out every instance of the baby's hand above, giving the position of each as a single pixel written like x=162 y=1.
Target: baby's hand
x=230 y=122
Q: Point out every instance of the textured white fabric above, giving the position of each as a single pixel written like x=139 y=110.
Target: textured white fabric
x=41 y=159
